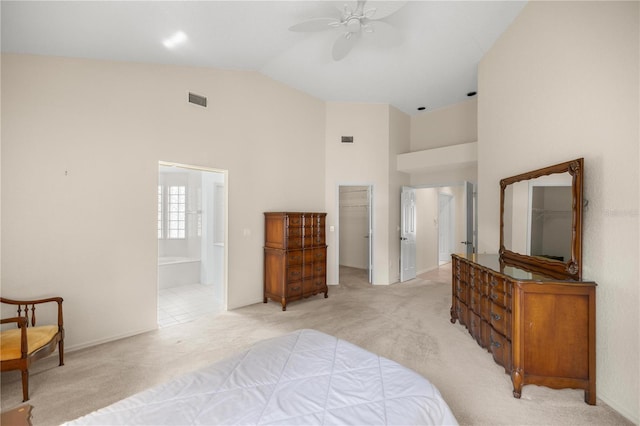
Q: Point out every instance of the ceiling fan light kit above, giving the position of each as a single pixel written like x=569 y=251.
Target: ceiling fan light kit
x=353 y=22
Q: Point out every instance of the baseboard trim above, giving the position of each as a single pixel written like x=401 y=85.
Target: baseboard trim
x=97 y=342
x=622 y=411
x=422 y=271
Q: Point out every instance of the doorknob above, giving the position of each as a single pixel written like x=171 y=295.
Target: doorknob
x=403 y=238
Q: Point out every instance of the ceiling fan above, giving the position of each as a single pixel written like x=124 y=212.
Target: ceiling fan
x=353 y=22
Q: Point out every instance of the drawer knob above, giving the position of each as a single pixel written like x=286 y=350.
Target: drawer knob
x=495 y=344
x=496 y=316
x=494 y=296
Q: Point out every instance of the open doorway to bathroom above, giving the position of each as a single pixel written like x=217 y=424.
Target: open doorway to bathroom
x=192 y=255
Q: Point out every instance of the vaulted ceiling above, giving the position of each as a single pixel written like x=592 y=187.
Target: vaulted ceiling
x=426 y=57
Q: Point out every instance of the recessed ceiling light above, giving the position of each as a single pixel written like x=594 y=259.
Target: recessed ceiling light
x=421 y=108
x=472 y=94
x=176 y=39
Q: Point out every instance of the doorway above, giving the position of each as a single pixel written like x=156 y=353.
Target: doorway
x=355 y=232
x=192 y=254
x=446 y=232
x=437 y=237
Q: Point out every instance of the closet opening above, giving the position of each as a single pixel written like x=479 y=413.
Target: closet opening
x=355 y=234
x=192 y=242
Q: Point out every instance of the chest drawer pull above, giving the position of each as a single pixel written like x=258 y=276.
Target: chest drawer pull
x=494 y=296
x=496 y=316
x=495 y=344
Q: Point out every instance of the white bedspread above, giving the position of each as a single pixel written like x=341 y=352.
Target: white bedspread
x=303 y=378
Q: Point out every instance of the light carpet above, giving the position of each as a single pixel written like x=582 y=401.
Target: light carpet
x=408 y=323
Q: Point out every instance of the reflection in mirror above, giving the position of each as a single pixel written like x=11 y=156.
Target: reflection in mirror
x=541 y=219
x=538 y=217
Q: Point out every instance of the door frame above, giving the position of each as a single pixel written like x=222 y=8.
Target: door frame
x=370 y=192
x=446 y=232
x=473 y=209
x=225 y=173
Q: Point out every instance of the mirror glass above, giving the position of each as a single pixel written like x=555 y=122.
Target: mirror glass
x=538 y=217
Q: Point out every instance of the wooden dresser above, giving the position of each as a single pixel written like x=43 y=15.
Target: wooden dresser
x=541 y=329
x=295 y=256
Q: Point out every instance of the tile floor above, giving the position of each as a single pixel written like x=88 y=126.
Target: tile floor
x=185 y=303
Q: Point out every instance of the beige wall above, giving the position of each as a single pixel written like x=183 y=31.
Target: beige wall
x=451 y=125
x=363 y=162
x=562 y=83
x=81 y=141
x=426 y=229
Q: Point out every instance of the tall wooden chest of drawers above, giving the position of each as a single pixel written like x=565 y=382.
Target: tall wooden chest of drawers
x=295 y=256
x=541 y=329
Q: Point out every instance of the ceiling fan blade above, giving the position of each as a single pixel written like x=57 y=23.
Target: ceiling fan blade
x=313 y=25
x=382 y=34
x=343 y=45
x=384 y=8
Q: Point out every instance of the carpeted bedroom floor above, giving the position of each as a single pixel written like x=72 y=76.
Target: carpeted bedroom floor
x=408 y=323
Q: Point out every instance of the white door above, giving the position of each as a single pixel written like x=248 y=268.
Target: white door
x=408 y=234
x=445 y=227
x=370 y=234
x=471 y=233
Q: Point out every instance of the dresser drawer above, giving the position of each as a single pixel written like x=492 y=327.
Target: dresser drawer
x=294 y=289
x=461 y=291
x=294 y=220
x=320 y=282
x=294 y=273
x=319 y=269
x=462 y=312
x=485 y=308
x=475 y=326
x=307 y=270
x=320 y=254
x=319 y=238
x=294 y=242
x=474 y=300
x=307 y=241
x=500 y=320
x=500 y=298
x=500 y=349
x=473 y=276
x=295 y=257
x=497 y=283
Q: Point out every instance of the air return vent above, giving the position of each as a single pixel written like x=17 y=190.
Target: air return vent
x=197 y=99
x=347 y=139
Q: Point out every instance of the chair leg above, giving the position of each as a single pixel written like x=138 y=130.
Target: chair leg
x=25 y=385
x=61 y=351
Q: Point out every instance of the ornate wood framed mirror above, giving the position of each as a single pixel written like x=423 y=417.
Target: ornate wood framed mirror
x=541 y=219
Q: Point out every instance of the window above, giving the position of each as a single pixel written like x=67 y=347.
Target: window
x=176 y=206
x=172 y=212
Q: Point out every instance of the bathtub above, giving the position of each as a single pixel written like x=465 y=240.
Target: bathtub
x=175 y=271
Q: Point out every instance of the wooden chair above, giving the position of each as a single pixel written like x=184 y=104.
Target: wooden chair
x=28 y=343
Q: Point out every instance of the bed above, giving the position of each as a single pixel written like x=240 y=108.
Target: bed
x=302 y=378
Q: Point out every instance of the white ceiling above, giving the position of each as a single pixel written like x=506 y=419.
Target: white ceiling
x=434 y=64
